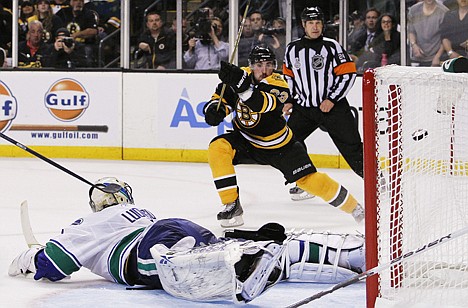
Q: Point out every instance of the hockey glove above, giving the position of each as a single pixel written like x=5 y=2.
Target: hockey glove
x=234 y=76
x=213 y=115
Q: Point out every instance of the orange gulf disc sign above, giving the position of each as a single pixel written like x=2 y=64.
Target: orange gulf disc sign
x=8 y=107
x=67 y=100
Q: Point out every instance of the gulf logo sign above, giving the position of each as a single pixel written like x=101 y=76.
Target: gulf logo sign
x=67 y=100
x=8 y=107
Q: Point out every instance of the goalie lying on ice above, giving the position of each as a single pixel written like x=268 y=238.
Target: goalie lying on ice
x=128 y=245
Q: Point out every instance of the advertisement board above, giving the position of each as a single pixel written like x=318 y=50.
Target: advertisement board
x=62 y=110
x=124 y=115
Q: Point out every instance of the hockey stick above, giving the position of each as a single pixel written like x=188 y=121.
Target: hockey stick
x=111 y=188
x=379 y=268
x=26 y=226
x=239 y=34
x=69 y=128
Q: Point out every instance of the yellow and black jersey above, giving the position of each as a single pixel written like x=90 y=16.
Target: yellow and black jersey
x=260 y=119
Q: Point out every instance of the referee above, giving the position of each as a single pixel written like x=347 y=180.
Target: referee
x=320 y=73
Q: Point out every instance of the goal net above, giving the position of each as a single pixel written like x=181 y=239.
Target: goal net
x=416 y=184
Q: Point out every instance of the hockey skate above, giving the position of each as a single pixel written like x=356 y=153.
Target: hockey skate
x=358 y=213
x=298 y=194
x=231 y=216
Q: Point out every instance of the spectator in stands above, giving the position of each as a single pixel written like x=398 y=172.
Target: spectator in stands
x=274 y=37
x=156 y=45
x=32 y=51
x=207 y=52
x=356 y=28
x=64 y=52
x=258 y=25
x=424 y=20
x=257 y=21
x=386 y=44
x=173 y=27
x=5 y=28
x=50 y=22
x=26 y=11
x=359 y=50
x=246 y=43
x=454 y=31
x=57 y=5
x=82 y=24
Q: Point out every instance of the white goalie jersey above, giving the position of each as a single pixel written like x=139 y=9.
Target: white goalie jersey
x=100 y=242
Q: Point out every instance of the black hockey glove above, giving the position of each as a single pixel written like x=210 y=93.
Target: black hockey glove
x=234 y=76
x=212 y=116
x=270 y=231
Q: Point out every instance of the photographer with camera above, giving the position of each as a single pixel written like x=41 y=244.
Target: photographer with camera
x=271 y=35
x=206 y=49
x=274 y=37
x=65 y=52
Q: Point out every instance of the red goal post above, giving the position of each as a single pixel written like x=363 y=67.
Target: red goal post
x=416 y=183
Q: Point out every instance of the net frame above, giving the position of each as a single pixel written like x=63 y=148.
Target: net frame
x=386 y=92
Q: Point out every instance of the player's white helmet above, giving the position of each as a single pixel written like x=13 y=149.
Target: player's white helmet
x=99 y=200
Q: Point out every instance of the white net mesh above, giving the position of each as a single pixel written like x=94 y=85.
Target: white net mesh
x=422 y=146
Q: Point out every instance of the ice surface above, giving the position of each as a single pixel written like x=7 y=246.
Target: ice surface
x=169 y=190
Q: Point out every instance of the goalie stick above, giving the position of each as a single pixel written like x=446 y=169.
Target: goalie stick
x=26 y=226
x=110 y=188
x=379 y=268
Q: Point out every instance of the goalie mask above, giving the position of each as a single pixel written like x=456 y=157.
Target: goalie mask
x=99 y=200
x=262 y=54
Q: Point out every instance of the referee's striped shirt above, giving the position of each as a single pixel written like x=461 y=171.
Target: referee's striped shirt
x=317 y=70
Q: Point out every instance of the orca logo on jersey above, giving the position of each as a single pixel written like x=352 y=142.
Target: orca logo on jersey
x=67 y=100
x=317 y=62
x=78 y=222
x=8 y=107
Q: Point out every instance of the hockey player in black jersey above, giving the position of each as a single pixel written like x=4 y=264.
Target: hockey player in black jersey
x=257 y=95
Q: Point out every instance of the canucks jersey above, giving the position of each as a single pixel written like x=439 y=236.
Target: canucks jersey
x=101 y=242
x=260 y=119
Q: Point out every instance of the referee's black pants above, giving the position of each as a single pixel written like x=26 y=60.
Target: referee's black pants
x=340 y=124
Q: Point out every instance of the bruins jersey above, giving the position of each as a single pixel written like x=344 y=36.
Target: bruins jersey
x=260 y=119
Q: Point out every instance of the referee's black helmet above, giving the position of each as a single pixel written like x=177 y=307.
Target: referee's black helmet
x=261 y=54
x=312 y=13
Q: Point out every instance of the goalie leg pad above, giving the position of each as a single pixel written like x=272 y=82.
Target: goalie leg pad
x=313 y=272
x=331 y=254
x=204 y=273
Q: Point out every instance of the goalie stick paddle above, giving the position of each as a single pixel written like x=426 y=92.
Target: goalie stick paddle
x=239 y=34
x=26 y=226
x=379 y=268
x=111 y=188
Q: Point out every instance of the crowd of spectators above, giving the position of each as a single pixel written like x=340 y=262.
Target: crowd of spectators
x=79 y=24
x=436 y=30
